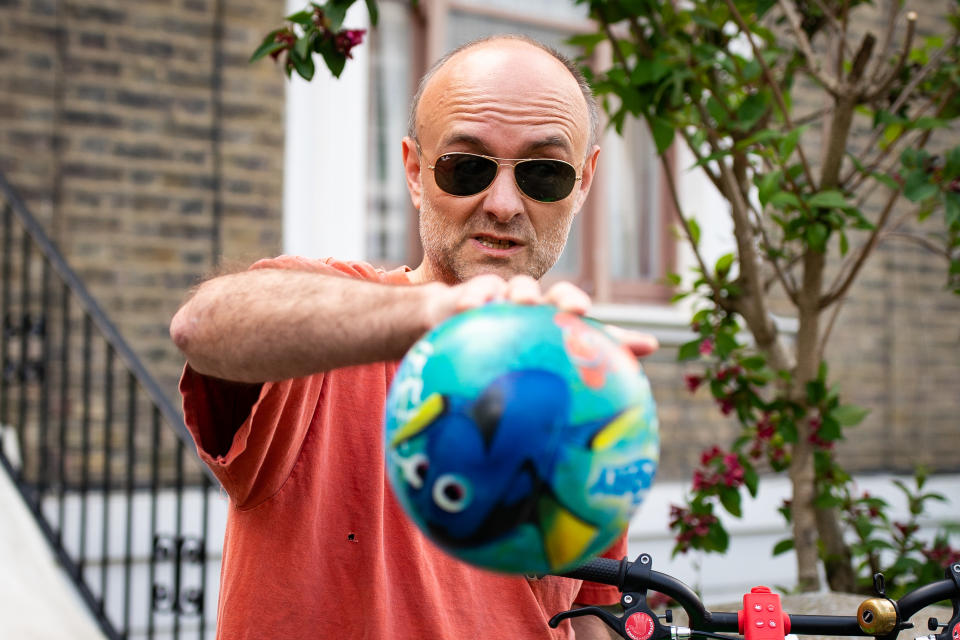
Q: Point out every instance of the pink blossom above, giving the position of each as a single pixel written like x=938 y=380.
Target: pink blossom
x=693 y=382
x=706 y=346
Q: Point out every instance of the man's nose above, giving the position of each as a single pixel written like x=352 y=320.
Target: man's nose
x=503 y=199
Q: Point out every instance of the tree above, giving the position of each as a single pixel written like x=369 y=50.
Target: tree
x=720 y=77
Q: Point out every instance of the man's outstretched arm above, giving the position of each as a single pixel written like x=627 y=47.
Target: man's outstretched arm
x=275 y=324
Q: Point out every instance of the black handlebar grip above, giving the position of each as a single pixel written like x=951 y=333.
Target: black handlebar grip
x=602 y=570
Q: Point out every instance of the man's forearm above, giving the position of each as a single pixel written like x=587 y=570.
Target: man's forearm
x=268 y=324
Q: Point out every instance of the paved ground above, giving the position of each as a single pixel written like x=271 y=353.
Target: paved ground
x=37 y=601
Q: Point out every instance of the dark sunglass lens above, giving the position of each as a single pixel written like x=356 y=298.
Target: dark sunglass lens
x=463 y=174
x=546 y=180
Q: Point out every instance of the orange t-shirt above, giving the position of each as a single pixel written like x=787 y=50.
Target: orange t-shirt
x=316 y=545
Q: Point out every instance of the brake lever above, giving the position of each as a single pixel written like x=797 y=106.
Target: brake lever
x=638 y=621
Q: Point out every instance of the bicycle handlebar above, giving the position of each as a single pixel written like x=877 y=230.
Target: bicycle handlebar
x=638 y=576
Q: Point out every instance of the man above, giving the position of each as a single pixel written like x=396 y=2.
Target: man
x=289 y=362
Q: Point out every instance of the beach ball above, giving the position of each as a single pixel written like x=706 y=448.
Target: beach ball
x=520 y=438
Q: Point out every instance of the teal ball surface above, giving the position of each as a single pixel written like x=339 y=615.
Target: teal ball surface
x=521 y=438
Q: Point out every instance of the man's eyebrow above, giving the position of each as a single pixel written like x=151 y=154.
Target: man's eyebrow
x=467 y=139
x=549 y=142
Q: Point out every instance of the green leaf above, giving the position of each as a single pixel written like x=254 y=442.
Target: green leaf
x=718 y=538
x=762 y=136
x=710 y=158
x=788 y=429
x=716 y=111
x=783 y=546
x=951 y=168
x=268 y=46
x=790 y=142
x=662 y=133
x=844 y=243
x=920 y=192
x=751 y=479
x=816 y=392
x=752 y=109
x=730 y=499
x=303 y=18
x=650 y=71
x=849 y=415
x=674 y=279
x=890 y=134
x=768 y=185
x=886 y=180
x=830 y=429
x=334 y=60
x=303 y=65
x=303 y=45
x=783 y=199
x=753 y=363
x=917 y=186
x=723 y=265
x=725 y=344
x=831 y=199
x=927 y=122
x=335 y=11
x=689 y=350
x=375 y=13
x=694 y=230
x=817 y=235
x=951 y=202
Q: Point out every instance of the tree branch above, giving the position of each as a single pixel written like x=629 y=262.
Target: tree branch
x=839 y=128
x=887 y=37
x=674 y=196
x=915 y=81
x=813 y=65
x=884 y=84
x=839 y=288
x=771 y=82
x=926 y=243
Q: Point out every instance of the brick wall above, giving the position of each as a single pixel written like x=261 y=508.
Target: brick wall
x=145 y=143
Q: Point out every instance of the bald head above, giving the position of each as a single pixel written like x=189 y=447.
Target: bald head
x=508 y=46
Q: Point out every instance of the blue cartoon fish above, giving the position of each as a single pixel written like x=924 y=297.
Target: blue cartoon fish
x=475 y=470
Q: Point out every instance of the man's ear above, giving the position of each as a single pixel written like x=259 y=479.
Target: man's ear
x=589 y=170
x=411 y=167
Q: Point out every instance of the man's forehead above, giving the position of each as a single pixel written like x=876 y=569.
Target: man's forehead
x=504 y=82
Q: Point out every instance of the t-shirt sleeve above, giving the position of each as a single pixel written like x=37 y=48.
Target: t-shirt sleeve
x=250 y=435
x=603 y=594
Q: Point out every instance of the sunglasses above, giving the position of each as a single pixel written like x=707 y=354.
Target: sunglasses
x=540 y=179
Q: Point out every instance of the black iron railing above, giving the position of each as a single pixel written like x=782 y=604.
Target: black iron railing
x=98 y=452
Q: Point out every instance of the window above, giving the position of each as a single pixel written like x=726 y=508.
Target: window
x=619 y=247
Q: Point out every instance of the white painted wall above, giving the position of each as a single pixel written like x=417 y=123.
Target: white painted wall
x=37 y=600
x=325 y=156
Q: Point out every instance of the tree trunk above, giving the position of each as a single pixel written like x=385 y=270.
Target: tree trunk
x=802 y=472
x=837 y=560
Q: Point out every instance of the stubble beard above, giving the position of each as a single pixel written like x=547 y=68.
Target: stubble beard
x=444 y=243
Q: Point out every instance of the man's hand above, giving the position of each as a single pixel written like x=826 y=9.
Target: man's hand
x=525 y=290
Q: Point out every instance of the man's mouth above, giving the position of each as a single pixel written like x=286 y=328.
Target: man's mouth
x=495 y=243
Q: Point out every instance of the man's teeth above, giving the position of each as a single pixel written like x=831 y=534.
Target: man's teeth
x=495 y=244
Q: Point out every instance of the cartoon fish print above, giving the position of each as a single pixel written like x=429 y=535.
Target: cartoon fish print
x=476 y=470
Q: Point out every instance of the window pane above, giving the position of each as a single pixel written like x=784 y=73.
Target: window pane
x=388 y=213
x=634 y=223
